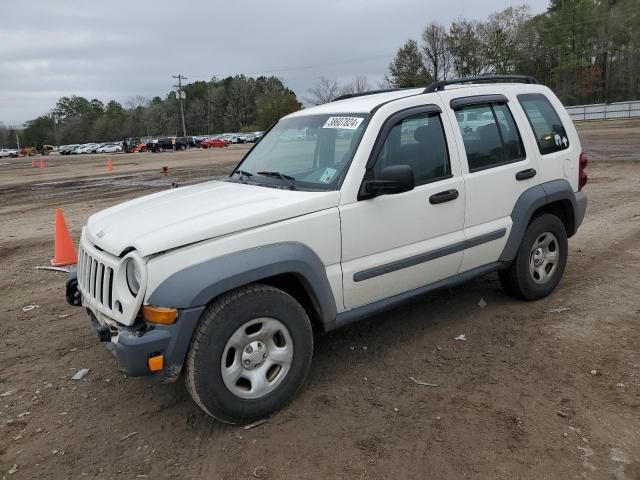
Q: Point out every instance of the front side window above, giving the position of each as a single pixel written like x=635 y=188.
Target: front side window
x=547 y=127
x=311 y=152
x=417 y=141
x=490 y=135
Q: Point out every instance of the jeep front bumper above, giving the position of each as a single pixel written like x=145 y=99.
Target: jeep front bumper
x=133 y=346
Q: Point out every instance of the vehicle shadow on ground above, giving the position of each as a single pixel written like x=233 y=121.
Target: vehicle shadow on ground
x=342 y=353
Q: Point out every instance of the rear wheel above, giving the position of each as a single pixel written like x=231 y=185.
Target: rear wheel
x=540 y=261
x=250 y=354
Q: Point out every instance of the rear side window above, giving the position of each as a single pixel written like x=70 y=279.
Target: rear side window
x=547 y=127
x=490 y=135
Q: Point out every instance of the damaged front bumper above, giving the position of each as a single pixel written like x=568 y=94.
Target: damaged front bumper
x=133 y=346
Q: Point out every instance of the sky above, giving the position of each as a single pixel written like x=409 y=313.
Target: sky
x=119 y=49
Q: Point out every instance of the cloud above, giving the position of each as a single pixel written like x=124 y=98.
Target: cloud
x=118 y=49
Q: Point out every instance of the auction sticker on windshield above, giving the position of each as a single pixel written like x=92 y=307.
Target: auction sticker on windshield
x=350 y=123
x=328 y=175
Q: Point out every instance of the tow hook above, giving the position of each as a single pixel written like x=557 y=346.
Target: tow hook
x=72 y=293
x=104 y=333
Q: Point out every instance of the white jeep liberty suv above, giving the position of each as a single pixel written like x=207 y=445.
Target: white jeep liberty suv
x=339 y=211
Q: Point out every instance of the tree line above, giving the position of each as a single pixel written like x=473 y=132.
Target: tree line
x=587 y=51
x=231 y=104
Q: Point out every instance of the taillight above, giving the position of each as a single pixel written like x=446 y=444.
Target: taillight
x=582 y=174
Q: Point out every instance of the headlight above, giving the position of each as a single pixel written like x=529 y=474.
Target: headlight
x=134 y=277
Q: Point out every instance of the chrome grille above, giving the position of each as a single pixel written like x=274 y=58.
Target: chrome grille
x=95 y=280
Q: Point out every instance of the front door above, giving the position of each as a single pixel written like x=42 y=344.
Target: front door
x=395 y=243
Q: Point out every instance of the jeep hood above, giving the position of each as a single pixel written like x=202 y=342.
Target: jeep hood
x=185 y=215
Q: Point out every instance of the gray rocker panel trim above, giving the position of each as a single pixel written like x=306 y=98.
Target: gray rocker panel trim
x=199 y=284
x=359 y=313
x=428 y=256
x=528 y=202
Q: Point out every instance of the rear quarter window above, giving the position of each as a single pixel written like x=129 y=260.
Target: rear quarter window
x=549 y=131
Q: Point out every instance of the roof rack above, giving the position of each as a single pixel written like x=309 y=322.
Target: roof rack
x=370 y=92
x=437 y=86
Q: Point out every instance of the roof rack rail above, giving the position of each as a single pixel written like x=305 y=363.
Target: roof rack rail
x=437 y=86
x=370 y=92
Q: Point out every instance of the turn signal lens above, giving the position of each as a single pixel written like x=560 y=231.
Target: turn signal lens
x=159 y=315
x=156 y=363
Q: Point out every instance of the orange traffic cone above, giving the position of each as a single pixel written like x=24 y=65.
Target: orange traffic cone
x=33 y=163
x=109 y=165
x=64 y=251
x=42 y=165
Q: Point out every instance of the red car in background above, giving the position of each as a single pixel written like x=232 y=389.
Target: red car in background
x=214 y=143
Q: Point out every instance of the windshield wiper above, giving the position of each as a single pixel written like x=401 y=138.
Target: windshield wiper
x=288 y=179
x=243 y=173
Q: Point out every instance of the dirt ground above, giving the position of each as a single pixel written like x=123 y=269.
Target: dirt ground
x=543 y=390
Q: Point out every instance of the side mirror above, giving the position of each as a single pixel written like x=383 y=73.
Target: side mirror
x=391 y=180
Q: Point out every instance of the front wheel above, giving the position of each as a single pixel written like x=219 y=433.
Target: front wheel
x=540 y=261
x=250 y=354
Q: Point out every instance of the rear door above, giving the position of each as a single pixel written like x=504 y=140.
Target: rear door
x=498 y=165
x=395 y=243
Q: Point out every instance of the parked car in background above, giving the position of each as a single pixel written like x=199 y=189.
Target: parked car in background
x=258 y=135
x=164 y=143
x=109 y=148
x=188 y=142
x=230 y=137
x=67 y=149
x=86 y=148
x=8 y=152
x=214 y=143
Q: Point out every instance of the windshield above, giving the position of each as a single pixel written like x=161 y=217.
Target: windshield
x=310 y=151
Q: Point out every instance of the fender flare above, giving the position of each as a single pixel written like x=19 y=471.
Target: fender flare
x=531 y=200
x=198 y=284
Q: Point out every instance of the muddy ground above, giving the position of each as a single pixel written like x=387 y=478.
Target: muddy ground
x=543 y=390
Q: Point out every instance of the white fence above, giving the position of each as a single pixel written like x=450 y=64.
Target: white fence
x=603 y=111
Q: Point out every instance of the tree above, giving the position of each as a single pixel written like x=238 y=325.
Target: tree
x=39 y=131
x=323 y=91
x=4 y=135
x=270 y=108
x=466 y=48
x=360 y=84
x=97 y=106
x=500 y=36
x=114 y=109
x=534 y=51
x=407 y=68
x=69 y=107
x=572 y=34
x=435 y=51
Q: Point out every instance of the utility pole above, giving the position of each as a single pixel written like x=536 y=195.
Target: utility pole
x=181 y=77
x=55 y=130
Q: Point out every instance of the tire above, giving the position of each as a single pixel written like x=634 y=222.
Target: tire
x=229 y=380
x=540 y=260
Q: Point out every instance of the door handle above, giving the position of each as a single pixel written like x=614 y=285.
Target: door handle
x=442 y=197
x=526 y=174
